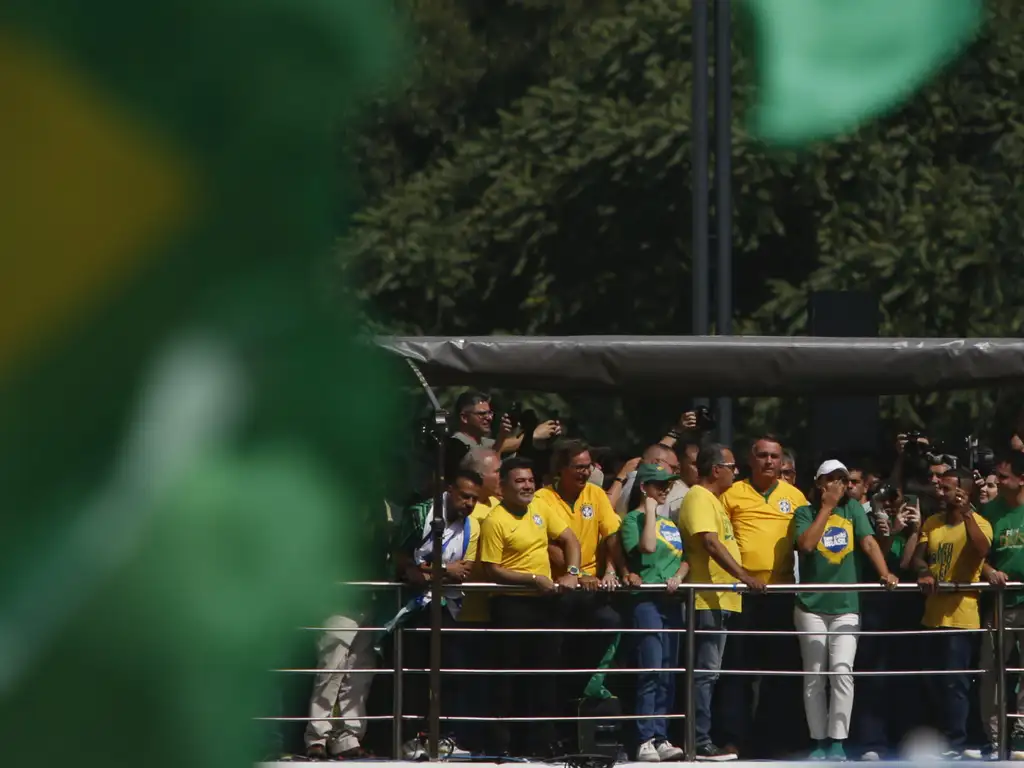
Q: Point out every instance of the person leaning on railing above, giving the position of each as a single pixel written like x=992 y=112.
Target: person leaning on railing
x=413 y=557
x=1005 y=563
x=585 y=509
x=761 y=511
x=714 y=558
x=514 y=550
x=827 y=535
x=953 y=546
x=654 y=548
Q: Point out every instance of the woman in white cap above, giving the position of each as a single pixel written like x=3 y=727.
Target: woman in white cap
x=827 y=533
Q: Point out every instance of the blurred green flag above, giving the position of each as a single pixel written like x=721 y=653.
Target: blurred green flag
x=826 y=66
x=189 y=432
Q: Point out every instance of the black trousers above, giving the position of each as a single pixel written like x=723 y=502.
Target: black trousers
x=526 y=695
x=887 y=707
x=458 y=651
x=756 y=712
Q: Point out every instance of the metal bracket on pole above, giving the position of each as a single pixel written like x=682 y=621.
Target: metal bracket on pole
x=439 y=435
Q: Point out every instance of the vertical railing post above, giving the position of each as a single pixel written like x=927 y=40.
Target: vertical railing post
x=690 y=741
x=1000 y=671
x=397 y=704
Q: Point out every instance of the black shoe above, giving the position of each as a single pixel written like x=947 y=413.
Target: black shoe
x=709 y=753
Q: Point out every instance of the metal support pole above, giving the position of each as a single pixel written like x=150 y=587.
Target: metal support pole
x=699 y=137
x=1000 y=672
x=723 y=191
x=690 y=740
x=437 y=526
x=398 y=704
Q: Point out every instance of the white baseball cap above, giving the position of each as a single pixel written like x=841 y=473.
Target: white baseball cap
x=830 y=466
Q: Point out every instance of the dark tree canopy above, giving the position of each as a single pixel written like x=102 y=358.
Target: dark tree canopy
x=534 y=177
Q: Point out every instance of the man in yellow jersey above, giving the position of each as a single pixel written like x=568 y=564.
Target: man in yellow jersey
x=486 y=463
x=584 y=507
x=514 y=550
x=761 y=510
x=714 y=558
x=952 y=548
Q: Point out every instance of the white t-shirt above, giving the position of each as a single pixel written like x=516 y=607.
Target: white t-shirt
x=453 y=548
x=669 y=509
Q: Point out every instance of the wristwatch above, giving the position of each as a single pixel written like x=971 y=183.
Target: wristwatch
x=573 y=570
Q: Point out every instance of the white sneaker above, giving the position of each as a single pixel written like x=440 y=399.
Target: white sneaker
x=448 y=747
x=667 y=751
x=871 y=757
x=648 y=753
x=990 y=752
x=414 y=749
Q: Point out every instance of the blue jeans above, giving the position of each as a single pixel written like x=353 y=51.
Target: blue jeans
x=655 y=691
x=950 y=694
x=708 y=651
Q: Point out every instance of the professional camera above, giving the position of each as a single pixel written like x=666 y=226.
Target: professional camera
x=980 y=457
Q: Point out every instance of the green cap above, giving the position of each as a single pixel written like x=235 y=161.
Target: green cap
x=647 y=473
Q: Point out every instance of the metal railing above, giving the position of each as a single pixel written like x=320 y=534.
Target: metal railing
x=687 y=593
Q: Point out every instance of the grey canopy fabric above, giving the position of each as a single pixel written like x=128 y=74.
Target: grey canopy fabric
x=714 y=365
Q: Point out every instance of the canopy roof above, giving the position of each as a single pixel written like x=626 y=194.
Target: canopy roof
x=714 y=365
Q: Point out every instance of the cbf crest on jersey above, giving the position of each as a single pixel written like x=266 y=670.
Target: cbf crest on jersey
x=587 y=511
x=538 y=520
x=837 y=540
x=785 y=507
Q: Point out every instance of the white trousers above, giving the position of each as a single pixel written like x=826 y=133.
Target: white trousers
x=343 y=646
x=827 y=716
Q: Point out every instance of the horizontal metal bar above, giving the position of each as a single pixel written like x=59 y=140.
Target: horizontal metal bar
x=765 y=672
x=417 y=671
x=757 y=632
x=475 y=719
x=632 y=631
x=303 y=719
x=977 y=586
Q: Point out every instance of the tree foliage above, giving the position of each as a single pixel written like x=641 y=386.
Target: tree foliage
x=534 y=177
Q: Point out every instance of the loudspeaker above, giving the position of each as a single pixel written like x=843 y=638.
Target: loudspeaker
x=842 y=427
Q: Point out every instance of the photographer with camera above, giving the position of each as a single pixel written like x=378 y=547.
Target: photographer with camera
x=1005 y=563
x=952 y=548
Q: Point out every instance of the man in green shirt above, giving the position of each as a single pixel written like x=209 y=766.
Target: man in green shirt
x=1005 y=563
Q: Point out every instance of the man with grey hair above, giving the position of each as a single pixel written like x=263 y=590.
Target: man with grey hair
x=714 y=558
x=787 y=469
x=485 y=462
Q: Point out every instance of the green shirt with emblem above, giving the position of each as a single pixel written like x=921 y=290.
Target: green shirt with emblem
x=1007 y=552
x=833 y=560
x=662 y=564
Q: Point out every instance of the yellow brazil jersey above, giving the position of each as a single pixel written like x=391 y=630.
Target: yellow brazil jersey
x=483 y=508
x=763 y=523
x=591 y=518
x=951 y=558
x=519 y=543
x=701 y=512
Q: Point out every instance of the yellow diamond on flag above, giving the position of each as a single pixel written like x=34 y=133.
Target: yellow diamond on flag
x=88 y=193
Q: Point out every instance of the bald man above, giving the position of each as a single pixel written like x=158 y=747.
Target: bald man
x=659 y=453
x=485 y=462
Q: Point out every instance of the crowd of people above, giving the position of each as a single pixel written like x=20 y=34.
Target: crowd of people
x=580 y=533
